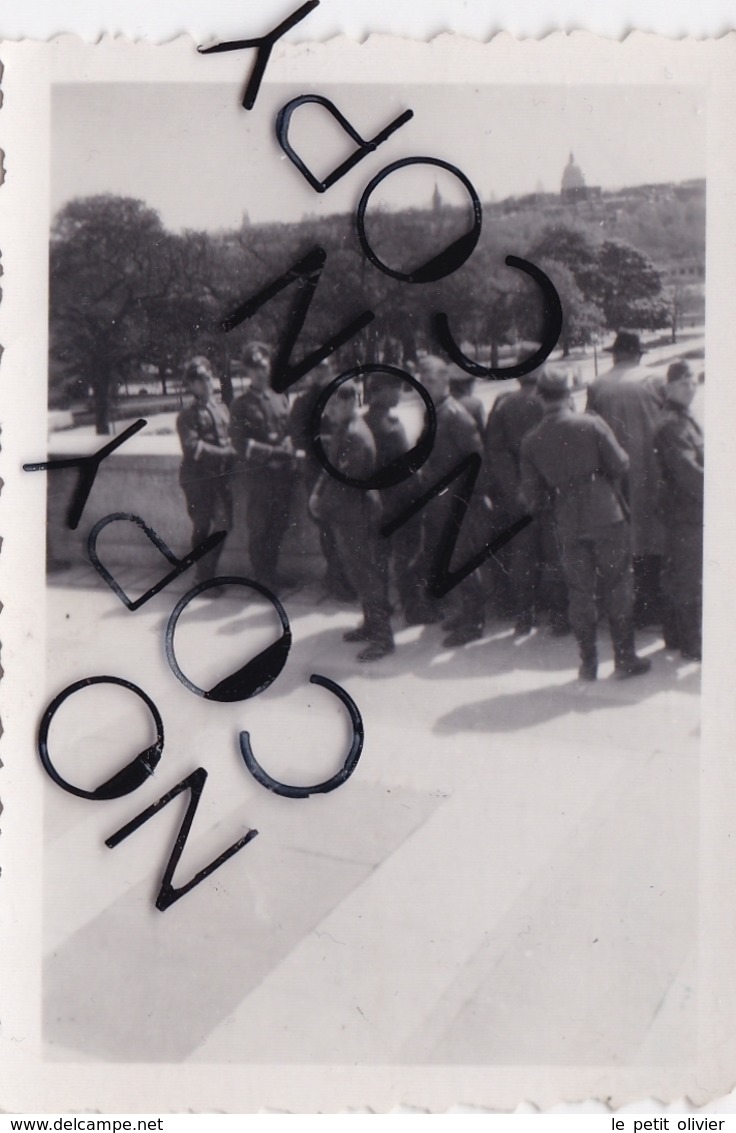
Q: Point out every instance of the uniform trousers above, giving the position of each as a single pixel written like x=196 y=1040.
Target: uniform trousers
x=335 y=580
x=535 y=568
x=647 y=590
x=682 y=586
x=401 y=547
x=210 y=507
x=682 y=577
x=600 y=566
x=467 y=598
x=365 y=558
x=269 y=505
x=499 y=567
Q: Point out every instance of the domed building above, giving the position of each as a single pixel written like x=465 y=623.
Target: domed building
x=573 y=183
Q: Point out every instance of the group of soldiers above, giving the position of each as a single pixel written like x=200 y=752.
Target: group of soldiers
x=604 y=507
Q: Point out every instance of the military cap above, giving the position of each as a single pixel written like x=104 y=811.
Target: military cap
x=348 y=389
x=197 y=367
x=431 y=364
x=257 y=355
x=551 y=381
x=626 y=342
x=679 y=370
x=532 y=376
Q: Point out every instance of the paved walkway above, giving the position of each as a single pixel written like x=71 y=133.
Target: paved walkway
x=508 y=877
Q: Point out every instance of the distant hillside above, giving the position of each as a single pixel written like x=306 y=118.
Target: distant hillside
x=665 y=221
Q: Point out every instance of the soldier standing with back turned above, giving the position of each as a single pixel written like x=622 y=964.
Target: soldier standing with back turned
x=534 y=566
x=630 y=402
x=335 y=580
x=461 y=388
x=382 y=396
x=576 y=457
x=355 y=515
x=457 y=437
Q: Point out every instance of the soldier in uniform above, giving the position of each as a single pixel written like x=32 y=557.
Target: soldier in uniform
x=260 y=436
x=679 y=447
x=354 y=515
x=630 y=402
x=457 y=436
x=461 y=388
x=532 y=554
x=576 y=457
x=336 y=582
x=382 y=396
x=300 y=418
x=204 y=433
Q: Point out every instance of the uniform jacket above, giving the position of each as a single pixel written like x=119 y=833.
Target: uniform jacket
x=300 y=415
x=678 y=443
x=577 y=456
x=259 y=426
x=457 y=436
x=473 y=406
x=300 y=419
x=389 y=437
x=631 y=403
x=352 y=450
x=511 y=418
x=204 y=433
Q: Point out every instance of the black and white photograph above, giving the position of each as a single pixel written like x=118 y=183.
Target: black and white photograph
x=371 y=480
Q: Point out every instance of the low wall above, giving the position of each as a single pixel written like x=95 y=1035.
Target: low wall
x=148 y=485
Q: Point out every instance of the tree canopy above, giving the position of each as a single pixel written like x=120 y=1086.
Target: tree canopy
x=126 y=292
x=111 y=262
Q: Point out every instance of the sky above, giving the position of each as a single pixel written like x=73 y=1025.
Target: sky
x=192 y=153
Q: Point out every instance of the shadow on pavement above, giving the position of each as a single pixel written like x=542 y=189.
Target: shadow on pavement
x=517 y=711
x=419 y=653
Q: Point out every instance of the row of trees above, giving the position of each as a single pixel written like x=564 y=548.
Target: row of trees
x=126 y=292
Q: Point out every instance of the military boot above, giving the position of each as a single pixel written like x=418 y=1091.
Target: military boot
x=689 y=624
x=586 y=639
x=360 y=633
x=627 y=663
x=670 y=626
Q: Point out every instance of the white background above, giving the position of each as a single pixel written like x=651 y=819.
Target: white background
x=420 y=18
